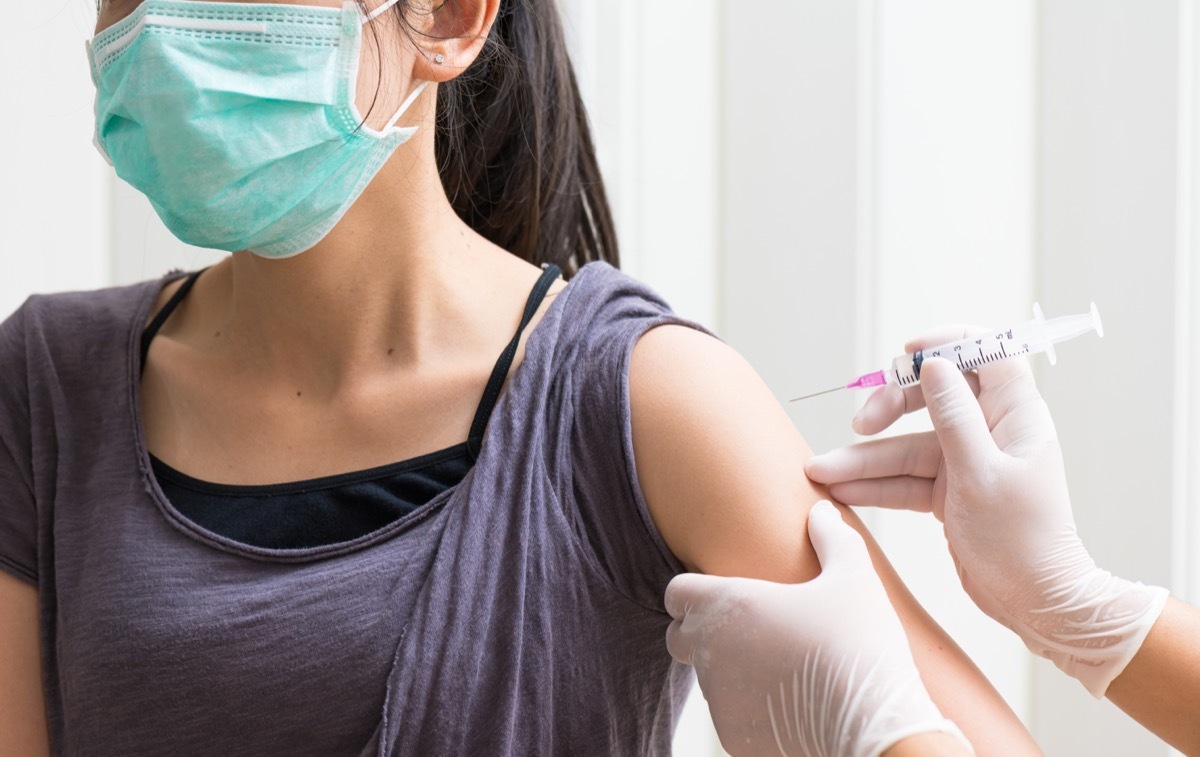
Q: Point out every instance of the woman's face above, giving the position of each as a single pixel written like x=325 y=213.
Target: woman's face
x=112 y=11
x=382 y=83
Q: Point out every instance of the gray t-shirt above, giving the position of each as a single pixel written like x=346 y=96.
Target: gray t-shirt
x=520 y=612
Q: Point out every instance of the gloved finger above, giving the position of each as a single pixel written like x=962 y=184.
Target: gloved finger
x=943 y=335
x=972 y=378
x=899 y=493
x=909 y=455
x=686 y=590
x=838 y=546
x=883 y=407
x=687 y=593
x=1008 y=385
x=938 y=498
x=880 y=416
x=957 y=418
x=699 y=603
x=888 y=403
x=680 y=645
x=958 y=569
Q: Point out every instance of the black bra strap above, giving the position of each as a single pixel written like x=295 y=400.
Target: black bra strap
x=161 y=317
x=500 y=372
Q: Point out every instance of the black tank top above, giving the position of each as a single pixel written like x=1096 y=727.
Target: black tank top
x=332 y=509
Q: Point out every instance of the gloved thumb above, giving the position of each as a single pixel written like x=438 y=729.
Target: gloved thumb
x=703 y=596
x=837 y=544
x=957 y=418
x=687 y=590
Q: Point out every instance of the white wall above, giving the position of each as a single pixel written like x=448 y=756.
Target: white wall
x=654 y=112
x=1186 y=453
x=53 y=211
x=1117 y=209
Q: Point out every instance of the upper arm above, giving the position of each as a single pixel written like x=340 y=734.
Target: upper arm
x=720 y=464
x=721 y=469
x=22 y=707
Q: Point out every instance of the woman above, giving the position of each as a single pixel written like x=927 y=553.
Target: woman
x=263 y=508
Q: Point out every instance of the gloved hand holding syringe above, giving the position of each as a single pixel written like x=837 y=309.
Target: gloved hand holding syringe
x=1038 y=335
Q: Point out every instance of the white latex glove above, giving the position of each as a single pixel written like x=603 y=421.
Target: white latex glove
x=992 y=471
x=818 y=668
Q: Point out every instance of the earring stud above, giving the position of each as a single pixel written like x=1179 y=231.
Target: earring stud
x=439 y=59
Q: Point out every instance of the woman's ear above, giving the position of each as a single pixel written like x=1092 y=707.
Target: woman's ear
x=449 y=35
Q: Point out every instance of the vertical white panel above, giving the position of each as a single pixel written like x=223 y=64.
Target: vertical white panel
x=1186 y=549
x=1110 y=194
x=52 y=190
x=677 y=238
x=954 y=239
x=1182 y=504
x=653 y=108
x=790 y=239
x=607 y=51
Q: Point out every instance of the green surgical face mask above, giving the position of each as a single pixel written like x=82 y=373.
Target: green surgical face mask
x=237 y=120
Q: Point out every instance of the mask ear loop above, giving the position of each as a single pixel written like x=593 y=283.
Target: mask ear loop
x=367 y=18
x=404 y=105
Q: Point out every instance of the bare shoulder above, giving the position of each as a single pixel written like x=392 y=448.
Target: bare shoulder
x=719 y=461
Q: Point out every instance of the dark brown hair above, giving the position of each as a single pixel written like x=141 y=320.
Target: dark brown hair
x=514 y=148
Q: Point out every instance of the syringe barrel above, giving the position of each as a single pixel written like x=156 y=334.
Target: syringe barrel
x=905 y=369
x=969 y=353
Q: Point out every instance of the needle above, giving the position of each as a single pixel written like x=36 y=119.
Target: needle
x=816 y=394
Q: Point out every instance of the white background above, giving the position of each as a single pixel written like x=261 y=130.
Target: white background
x=817 y=181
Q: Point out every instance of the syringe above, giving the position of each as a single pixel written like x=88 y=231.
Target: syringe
x=1038 y=335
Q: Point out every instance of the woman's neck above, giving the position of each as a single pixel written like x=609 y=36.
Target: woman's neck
x=400 y=282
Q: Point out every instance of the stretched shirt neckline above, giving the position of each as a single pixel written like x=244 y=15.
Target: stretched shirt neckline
x=533 y=348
